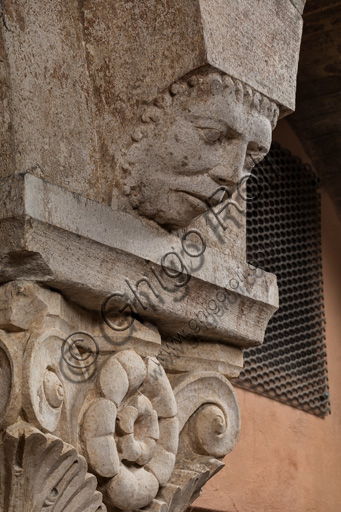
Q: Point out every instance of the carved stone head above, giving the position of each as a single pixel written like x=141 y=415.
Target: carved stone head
x=207 y=131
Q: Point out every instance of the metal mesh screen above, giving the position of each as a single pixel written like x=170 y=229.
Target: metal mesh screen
x=284 y=238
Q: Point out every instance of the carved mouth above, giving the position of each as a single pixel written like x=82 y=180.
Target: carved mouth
x=208 y=201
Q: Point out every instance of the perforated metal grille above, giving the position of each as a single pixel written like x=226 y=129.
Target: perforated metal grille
x=284 y=238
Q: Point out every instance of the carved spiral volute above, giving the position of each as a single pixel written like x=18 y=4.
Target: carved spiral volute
x=208 y=413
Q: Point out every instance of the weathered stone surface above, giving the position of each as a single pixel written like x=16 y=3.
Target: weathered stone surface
x=271 y=65
x=120 y=410
x=6 y=130
x=125 y=297
x=80 y=74
x=213 y=428
x=182 y=356
x=50 y=107
x=24 y=307
x=195 y=34
x=126 y=423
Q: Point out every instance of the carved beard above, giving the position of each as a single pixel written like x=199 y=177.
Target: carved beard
x=135 y=196
x=141 y=201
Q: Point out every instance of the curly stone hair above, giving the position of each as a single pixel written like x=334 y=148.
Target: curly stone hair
x=213 y=81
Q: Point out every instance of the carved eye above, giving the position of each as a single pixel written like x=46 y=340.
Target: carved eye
x=211 y=134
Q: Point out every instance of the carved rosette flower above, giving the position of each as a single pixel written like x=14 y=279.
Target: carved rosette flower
x=130 y=432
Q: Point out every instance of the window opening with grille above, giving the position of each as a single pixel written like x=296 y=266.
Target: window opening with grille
x=284 y=238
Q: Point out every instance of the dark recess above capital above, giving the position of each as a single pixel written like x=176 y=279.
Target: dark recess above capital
x=317 y=120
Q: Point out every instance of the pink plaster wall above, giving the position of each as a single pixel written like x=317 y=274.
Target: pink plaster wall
x=287 y=460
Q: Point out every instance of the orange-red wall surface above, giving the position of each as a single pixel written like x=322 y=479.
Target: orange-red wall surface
x=287 y=460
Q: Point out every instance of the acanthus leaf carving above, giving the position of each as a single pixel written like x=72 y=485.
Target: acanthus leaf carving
x=41 y=473
x=133 y=144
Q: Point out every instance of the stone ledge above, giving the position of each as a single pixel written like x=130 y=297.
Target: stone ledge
x=75 y=245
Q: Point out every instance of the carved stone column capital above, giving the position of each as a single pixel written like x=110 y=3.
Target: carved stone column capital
x=151 y=439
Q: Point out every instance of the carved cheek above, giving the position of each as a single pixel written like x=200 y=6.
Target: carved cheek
x=184 y=148
x=200 y=157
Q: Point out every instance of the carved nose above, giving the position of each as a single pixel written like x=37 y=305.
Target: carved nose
x=232 y=170
x=233 y=158
x=229 y=176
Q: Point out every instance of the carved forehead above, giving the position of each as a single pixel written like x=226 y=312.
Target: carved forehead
x=212 y=94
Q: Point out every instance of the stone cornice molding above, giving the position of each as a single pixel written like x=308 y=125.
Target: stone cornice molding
x=41 y=220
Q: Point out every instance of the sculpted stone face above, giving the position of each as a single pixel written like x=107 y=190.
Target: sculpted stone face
x=193 y=141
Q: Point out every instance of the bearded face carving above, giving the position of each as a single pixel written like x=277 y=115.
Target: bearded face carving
x=205 y=132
